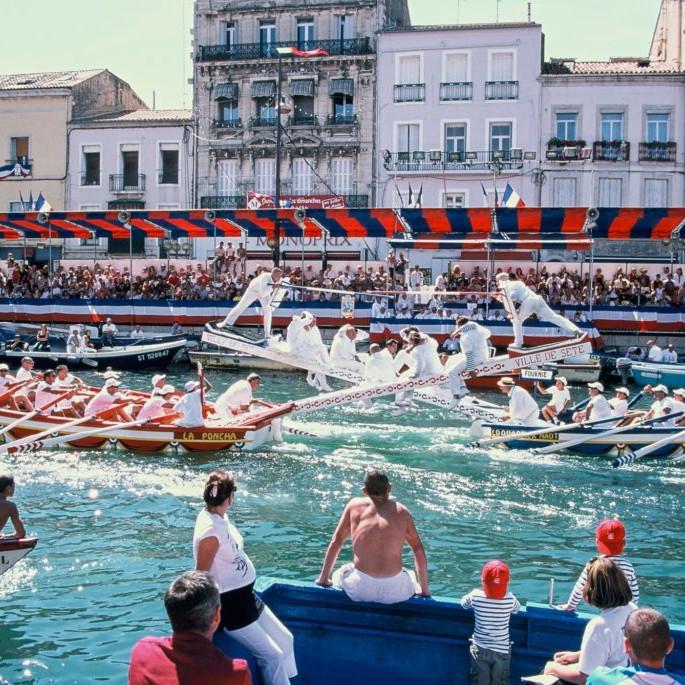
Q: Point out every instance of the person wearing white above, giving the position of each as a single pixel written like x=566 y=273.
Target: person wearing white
x=403 y=302
x=619 y=404
x=661 y=405
x=5 y=377
x=415 y=278
x=303 y=339
x=597 y=408
x=513 y=292
x=263 y=288
x=423 y=355
x=669 y=355
x=237 y=398
x=190 y=407
x=108 y=396
x=109 y=330
x=560 y=398
x=137 y=333
x=344 y=350
x=46 y=391
x=73 y=342
x=475 y=350
x=522 y=407
x=379 y=367
x=378 y=309
x=218 y=549
x=158 y=403
x=22 y=397
x=654 y=352
x=677 y=406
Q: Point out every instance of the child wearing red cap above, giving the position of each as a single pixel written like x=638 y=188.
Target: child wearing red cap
x=610 y=537
x=490 y=645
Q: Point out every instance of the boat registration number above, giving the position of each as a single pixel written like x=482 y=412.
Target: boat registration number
x=504 y=432
x=151 y=355
x=210 y=436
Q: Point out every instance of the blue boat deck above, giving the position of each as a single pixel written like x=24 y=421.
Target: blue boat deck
x=422 y=641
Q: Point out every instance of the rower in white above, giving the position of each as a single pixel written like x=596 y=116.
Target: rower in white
x=513 y=292
x=475 y=349
x=619 y=404
x=560 y=398
x=106 y=398
x=677 y=407
x=189 y=406
x=303 y=339
x=597 y=408
x=263 y=288
x=344 y=350
x=158 y=404
x=237 y=398
x=522 y=410
x=661 y=406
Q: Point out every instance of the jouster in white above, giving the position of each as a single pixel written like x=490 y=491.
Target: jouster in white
x=379 y=367
x=522 y=407
x=344 y=350
x=473 y=340
x=513 y=292
x=264 y=288
x=303 y=339
x=423 y=355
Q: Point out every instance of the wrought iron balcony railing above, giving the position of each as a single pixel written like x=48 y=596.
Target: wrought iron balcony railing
x=611 y=151
x=438 y=160
x=262 y=122
x=310 y=120
x=462 y=90
x=658 y=152
x=223 y=202
x=335 y=47
x=236 y=122
x=501 y=90
x=341 y=120
x=125 y=183
x=410 y=92
x=357 y=201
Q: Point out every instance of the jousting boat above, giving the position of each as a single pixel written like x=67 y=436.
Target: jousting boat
x=14 y=549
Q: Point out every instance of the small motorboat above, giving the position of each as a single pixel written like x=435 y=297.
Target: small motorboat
x=651 y=373
x=14 y=549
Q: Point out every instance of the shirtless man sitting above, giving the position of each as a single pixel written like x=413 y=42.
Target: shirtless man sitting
x=8 y=510
x=378 y=526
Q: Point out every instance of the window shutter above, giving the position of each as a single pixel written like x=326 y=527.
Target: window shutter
x=503 y=66
x=564 y=193
x=409 y=69
x=456 y=68
x=227 y=176
x=656 y=192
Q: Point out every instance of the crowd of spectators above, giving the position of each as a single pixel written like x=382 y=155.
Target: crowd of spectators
x=226 y=276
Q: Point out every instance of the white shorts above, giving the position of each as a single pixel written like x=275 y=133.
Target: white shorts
x=360 y=587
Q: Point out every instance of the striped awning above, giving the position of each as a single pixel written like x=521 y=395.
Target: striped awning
x=227 y=91
x=263 y=89
x=341 y=86
x=303 y=87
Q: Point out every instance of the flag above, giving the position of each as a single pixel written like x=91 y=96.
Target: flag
x=410 y=199
x=485 y=192
x=23 y=204
x=31 y=204
x=400 y=194
x=296 y=52
x=511 y=198
x=42 y=205
x=419 y=198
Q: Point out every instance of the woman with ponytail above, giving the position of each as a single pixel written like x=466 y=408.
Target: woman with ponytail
x=218 y=549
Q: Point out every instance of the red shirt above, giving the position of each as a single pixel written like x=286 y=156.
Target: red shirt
x=184 y=659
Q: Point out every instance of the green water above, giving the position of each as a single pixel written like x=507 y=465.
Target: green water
x=115 y=528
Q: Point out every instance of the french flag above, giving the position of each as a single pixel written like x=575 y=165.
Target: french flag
x=511 y=198
x=296 y=52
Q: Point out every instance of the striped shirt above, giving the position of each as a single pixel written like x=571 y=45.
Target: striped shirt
x=628 y=572
x=491 y=630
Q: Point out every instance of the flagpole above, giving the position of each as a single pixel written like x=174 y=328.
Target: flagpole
x=277 y=198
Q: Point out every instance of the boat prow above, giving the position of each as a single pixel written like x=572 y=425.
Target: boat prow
x=13 y=550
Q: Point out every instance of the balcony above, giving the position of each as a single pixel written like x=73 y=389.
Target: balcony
x=357 y=201
x=410 y=92
x=437 y=160
x=126 y=183
x=234 y=123
x=657 y=152
x=262 y=122
x=462 y=90
x=501 y=90
x=304 y=120
x=222 y=202
x=559 y=150
x=341 y=120
x=348 y=46
x=611 y=151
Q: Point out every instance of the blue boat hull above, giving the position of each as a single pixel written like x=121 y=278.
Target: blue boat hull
x=419 y=642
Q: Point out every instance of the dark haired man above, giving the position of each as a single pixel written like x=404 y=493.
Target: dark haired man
x=379 y=527
x=188 y=657
x=647 y=639
x=8 y=510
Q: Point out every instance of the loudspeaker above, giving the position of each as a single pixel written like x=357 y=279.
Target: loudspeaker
x=43 y=218
x=124 y=217
x=592 y=214
x=210 y=215
x=300 y=214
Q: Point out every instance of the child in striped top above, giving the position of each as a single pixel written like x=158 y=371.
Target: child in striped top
x=490 y=645
x=610 y=538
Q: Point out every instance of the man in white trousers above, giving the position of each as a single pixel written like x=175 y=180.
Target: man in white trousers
x=513 y=292
x=475 y=350
x=304 y=340
x=263 y=288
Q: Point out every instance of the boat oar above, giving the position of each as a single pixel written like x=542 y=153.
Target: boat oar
x=631 y=457
x=612 y=431
x=31 y=414
x=61 y=439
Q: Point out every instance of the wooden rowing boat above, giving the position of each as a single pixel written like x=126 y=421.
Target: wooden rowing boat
x=14 y=549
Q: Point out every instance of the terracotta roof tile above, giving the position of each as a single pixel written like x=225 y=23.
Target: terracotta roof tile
x=614 y=66
x=155 y=115
x=46 y=79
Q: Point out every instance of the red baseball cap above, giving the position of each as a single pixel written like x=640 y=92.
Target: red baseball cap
x=610 y=537
x=495 y=579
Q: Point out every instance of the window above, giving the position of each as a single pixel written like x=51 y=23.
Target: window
x=305 y=34
x=343 y=27
x=408 y=69
x=341 y=176
x=267 y=36
x=230 y=34
x=228 y=111
x=227 y=173
x=90 y=165
x=169 y=164
x=502 y=66
x=567 y=125
x=408 y=137
x=265 y=176
x=453 y=200
x=455 y=141
x=610 y=190
x=130 y=168
x=19 y=149
x=455 y=67
x=343 y=107
x=266 y=111
x=302 y=177
x=657 y=127
x=500 y=136
x=564 y=192
x=656 y=192
x=612 y=128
